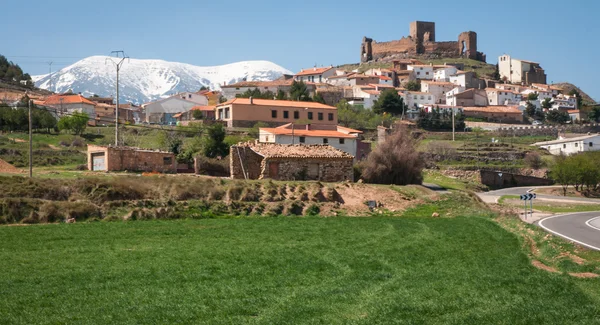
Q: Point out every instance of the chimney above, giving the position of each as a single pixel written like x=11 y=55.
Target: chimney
x=251 y=100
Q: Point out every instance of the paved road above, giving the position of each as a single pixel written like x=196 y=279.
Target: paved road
x=493 y=196
x=582 y=228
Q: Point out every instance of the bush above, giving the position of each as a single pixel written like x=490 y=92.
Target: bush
x=534 y=160
x=212 y=166
x=395 y=161
x=442 y=149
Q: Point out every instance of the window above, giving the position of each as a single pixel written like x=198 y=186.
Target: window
x=167 y=160
x=286 y=114
x=342 y=141
x=415 y=97
x=273 y=113
x=565 y=146
x=330 y=117
x=296 y=115
x=422 y=97
x=189 y=95
x=325 y=141
x=302 y=139
x=418 y=73
x=591 y=144
x=227 y=112
x=427 y=73
x=320 y=116
x=310 y=115
x=429 y=97
x=576 y=144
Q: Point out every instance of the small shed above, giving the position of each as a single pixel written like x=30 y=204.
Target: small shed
x=110 y=158
x=254 y=160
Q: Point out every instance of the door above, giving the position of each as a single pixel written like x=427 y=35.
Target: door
x=313 y=172
x=274 y=170
x=99 y=161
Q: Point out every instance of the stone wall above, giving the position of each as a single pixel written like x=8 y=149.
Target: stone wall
x=132 y=159
x=548 y=130
x=243 y=159
x=329 y=169
x=496 y=180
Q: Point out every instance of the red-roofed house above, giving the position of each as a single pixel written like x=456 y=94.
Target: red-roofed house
x=501 y=114
x=70 y=104
x=339 y=137
x=315 y=74
x=245 y=112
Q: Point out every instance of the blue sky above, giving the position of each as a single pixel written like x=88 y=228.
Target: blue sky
x=562 y=36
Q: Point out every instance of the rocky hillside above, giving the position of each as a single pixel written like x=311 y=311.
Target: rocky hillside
x=567 y=87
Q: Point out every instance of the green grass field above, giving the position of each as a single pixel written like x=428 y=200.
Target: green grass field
x=312 y=270
x=550 y=206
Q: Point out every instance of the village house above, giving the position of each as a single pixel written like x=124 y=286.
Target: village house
x=437 y=89
x=542 y=94
x=403 y=77
x=571 y=145
x=460 y=96
x=283 y=84
x=102 y=100
x=500 y=97
x=442 y=74
x=254 y=160
x=317 y=75
x=208 y=114
x=71 y=104
x=105 y=114
x=404 y=63
x=564 y=102
x=574 y=115
x=549 y=88
x=163 y=111
x=499 y=114
x=467 y=79
x=245 y=112
x=422 y=71
x=364 y=96
x=520 y=71
x=109 y=158
x=339 y=137
x=353 y=79
x=380 y=72
x=416 y=99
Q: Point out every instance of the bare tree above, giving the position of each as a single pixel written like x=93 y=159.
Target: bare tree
x=396 y=161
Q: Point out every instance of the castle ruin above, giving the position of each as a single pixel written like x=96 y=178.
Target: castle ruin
x=421 y=43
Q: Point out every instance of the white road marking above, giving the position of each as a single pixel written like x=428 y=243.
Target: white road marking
x=541 y=223
x=589 y=223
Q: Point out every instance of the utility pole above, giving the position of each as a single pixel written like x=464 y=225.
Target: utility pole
x=50 y=73
x=453 y=128
x=118 y=66
x=30 y=141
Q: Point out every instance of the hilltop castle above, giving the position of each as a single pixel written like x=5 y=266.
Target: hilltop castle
x=422 y=42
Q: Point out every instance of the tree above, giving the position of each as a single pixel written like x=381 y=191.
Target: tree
x=79 y=122
x=496 y=74
x=64 y=124
x=534 y=160
x=563 y=173
x=197 y=115
x=299 y=92
x=214 y=144
x=558 y=117
x=395 y=161
x=281 y=95
x=594 y=114
x=389 y=101
x=440 y=120
x=170 y=141
x=547 y=103
x=257 y=94
x=575 y=92
x=533 y=96
x=204 y=88
x=413 y=85
x=318 y=98
x=254 y=131
x=530 y=109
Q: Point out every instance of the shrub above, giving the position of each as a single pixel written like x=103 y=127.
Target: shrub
x=78 y=142
x=50 y=212
x=442 y=149
x=312 y=210
x=534 y=160
x=395 y=161
x=212 y=166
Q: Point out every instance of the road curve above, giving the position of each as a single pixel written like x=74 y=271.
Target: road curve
x=582 y=228
x=493 y=196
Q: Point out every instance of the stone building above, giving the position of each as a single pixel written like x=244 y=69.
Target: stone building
x=109 y=158
x=422 y=41
x=254 y=160
x=520 y=71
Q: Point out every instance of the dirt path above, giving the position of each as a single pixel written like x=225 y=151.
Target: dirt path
x=8 y=168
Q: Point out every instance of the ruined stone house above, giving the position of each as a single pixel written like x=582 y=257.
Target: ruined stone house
x=109 y=158
x=422 y=42
x=254 y=160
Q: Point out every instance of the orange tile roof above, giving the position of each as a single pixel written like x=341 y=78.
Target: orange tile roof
x=493 y=109
x=275 y=103
x=371 y=92
x=67 y=99
x=380 y=86
x=309 y=133
x=311 y=71
x=573 y=111
x=384 y=78
x=440 y=83
x=203 y=108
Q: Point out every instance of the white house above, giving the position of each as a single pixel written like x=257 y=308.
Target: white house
x=461 y=96
x=379 y=72
x=501 y=97
x=542 y=94
x=550 y=88
x=416 y=99
x=564 y=102
x=437 y=89
x=569 y=146
x=368 y=96
x=162 y=111
x=520 y=71
x=443 y=74
x=574 y=115
x=339 y=137
x=420 y=71
x=318 y=75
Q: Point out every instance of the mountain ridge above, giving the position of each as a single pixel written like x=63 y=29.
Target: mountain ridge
x=143 y=80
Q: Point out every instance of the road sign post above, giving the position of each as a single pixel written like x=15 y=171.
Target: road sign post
x=528 y=197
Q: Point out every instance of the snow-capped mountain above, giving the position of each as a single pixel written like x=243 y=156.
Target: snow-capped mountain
x=142 y=81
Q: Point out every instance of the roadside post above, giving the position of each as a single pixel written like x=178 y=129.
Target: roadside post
x=528 y=197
